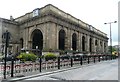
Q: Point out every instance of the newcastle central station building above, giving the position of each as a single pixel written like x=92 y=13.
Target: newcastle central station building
x=49 y=28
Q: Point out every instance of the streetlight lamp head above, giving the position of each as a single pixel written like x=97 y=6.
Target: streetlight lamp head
x=105 y=23
x=115 y=21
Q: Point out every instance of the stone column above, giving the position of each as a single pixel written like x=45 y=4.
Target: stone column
x=93 y=49
x=106 y=46
x=99 y=48
x=57 y=36
x=103 y=46
x=28 y=38
x=69 y=38
x=87 y=43
x=25 y=39
x=79 y=42
x=66 y=38
x=46 y=35
x=52 y=36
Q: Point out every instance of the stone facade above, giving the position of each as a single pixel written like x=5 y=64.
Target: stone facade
x=53 y=27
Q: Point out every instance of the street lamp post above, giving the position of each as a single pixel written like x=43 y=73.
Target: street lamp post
x=6 y=37
x=110 y=35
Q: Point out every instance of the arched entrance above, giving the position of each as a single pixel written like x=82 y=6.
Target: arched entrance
x=90 y=44
x=83 y=43
x=37 y=39
x=74 y=41
x=61 y=40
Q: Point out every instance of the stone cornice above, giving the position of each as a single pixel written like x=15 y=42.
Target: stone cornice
x=59 y=14
x=9 y=21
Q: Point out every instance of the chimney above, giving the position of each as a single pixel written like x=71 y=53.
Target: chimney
x=11 y=18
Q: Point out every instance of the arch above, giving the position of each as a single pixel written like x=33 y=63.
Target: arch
x=37 y=39
x=21 y=42
x=96 y=42
x=74 y=41
x=83 y=43
x=32 y=30
x=90 y=44
x=61 y=40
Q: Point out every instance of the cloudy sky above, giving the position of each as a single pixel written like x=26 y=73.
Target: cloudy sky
x=93 y=12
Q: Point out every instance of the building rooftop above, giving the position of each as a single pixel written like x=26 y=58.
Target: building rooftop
x=58 y=12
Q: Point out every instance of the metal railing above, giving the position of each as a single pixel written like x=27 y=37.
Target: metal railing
x=28 y=68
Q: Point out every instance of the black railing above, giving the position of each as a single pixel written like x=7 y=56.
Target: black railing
x=18 y=68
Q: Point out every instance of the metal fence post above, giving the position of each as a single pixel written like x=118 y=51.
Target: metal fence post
x=71 y=62
x=12 y=67
x=99 y=58
x=94 y=59
x=40 y=60
x=6 y=36
x=88 y=60
x=58 y=62
x=81 y=60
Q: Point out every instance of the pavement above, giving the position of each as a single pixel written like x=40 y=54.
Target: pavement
x=104 y=70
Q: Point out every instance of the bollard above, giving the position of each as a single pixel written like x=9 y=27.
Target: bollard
x=58 y=62
x=40 y=60
x=71 y=62
x=81 y=60
x=12 y=67
x=94 y=59
x=88 y=60
x=99 y=58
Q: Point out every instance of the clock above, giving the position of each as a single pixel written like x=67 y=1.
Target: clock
x=35 y=12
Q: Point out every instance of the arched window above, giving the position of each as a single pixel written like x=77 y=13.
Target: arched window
x=37 y=39
x=96 y=43
x=90 y=44
x=61 y=39
x=21 y=42
x=74 y=41
x=83 y=43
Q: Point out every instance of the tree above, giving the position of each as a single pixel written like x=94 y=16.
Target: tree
x=113 y=49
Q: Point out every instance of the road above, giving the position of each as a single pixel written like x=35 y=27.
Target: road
x=105 y=70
